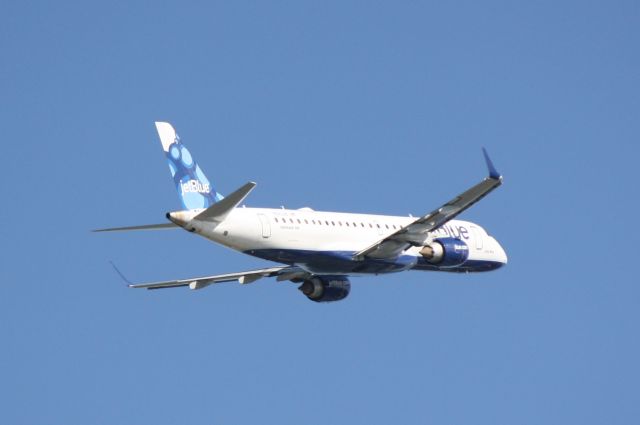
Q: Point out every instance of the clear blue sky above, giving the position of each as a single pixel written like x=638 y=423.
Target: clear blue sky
x=353 y=106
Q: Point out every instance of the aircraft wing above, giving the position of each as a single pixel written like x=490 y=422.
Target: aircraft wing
x=415 y=233
x=281 y=272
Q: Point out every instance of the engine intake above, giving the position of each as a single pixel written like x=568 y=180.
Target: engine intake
x=446 y=252
x=326 y=288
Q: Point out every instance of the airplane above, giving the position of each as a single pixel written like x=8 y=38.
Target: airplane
x=320 y=250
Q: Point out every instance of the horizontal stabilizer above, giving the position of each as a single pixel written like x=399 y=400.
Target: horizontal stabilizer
x=218 y=211
x=143 y=227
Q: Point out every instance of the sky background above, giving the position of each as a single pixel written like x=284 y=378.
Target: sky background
x=377 y=107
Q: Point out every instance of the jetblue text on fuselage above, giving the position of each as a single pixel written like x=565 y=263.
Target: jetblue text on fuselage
x=459 y=232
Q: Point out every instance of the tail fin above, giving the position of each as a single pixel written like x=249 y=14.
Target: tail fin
x=192 y=185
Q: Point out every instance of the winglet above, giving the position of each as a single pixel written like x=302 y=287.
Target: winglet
x=120 y=274
x=493 y=173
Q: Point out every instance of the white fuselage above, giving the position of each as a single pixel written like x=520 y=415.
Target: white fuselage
x=272 y=233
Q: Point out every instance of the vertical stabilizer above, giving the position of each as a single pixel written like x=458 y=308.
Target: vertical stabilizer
x=192 y=185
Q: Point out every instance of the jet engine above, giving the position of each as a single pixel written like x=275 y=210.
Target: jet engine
x=326 y=288
x=446 y=252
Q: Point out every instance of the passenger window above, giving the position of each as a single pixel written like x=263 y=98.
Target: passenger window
x=299 y=222
x=306 y=221
x=276 y=219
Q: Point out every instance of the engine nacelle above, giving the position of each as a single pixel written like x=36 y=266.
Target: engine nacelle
x=446 y=252
x=326 y=288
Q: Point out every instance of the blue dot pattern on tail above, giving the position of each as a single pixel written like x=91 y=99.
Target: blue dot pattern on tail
x=192 y=185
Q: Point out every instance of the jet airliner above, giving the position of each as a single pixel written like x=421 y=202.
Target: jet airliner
x=320 y=250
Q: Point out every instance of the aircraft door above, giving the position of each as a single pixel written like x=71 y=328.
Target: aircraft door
x=266 y=226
